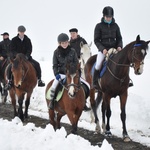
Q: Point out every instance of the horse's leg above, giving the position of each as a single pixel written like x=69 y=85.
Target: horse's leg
x=13 y=100
x=123 y=99
x=52 y=118
x=106 y=111
x=20 y=111
x=94 y=108
x=59 y=116
x=72 y=117
x=27 y=103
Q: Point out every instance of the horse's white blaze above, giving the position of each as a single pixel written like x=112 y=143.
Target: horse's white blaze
x=141 y=67
x=72 y=88
x=143 y=52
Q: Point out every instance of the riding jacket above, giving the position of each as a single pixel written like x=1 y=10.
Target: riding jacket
x=21 y=46
x=107 y=36
x=75 y=43
x=5 y=47
x=61 y=57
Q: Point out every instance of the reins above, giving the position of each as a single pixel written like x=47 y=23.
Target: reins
x=124 y=65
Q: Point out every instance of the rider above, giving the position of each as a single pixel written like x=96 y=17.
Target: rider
x=106 y=35
x=62 y=55
x=22 y=44
x=4 y=46
x=75 y=40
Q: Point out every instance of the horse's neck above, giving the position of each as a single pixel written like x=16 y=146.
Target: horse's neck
x=122 y=57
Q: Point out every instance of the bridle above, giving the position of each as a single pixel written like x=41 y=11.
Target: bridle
x=66 y=87
x=125 y=65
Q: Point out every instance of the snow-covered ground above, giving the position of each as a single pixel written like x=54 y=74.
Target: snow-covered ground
x=16 y=136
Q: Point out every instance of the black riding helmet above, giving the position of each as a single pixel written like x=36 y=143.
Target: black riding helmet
x=108 y=11
x=62 y=37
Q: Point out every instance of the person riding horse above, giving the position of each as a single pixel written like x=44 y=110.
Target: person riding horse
x=62 y=55
x=75 y=42
x=106 y=35
x=22 y=44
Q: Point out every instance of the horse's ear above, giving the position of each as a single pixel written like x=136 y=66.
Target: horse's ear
x=90 y=44
x=138 y=39
x=147 y=42
x=81 y=44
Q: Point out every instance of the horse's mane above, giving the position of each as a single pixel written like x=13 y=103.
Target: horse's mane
x=19 y=58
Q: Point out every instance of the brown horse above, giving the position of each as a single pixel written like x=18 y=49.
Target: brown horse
x=72 y=101
x=3 y=65
x=24 y=81
x=115 y=81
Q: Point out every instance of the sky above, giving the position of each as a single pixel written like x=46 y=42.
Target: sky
x=46 y=19
x=137 y=120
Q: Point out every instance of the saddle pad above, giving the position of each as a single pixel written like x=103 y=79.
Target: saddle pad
x=102 y=71
x=58 y=95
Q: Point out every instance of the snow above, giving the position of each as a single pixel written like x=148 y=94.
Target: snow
x=17 y=136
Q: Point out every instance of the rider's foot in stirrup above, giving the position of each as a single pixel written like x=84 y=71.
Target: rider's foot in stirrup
x=130 y=83
x=41 y=83
x=8 y=85
x=86 y=108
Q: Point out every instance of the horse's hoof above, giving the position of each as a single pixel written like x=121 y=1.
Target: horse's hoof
x=108 y=134
x=126 y=138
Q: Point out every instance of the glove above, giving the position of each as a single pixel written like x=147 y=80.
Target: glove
x=58 y=77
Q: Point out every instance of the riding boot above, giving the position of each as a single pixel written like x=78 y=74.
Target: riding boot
x=52 y=100
x=130 y=83
x=86 y=108
x=41 y=83
x=8 y=86
x=95 y=79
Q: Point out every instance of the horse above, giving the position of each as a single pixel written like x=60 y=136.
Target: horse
x=4 y=93
x=115 y=81
x=72 y=101
x=85 y=54
x=24 y=81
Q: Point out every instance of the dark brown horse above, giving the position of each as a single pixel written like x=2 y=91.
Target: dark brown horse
x=24 y=81
x=3 y=64
x=72 y=101
x=115 y=81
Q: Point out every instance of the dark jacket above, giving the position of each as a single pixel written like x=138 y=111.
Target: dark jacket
x=107 y=36
x=5 y=47
x=75 y=43
x=21 y=46
x=61 y=57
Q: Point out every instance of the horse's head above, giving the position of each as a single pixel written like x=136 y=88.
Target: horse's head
x=73 y=79
x=85 y=51
x=138 y=54
x=18 y=70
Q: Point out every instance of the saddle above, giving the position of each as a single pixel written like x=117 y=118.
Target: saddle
x=110 y=54
x=60 y=89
